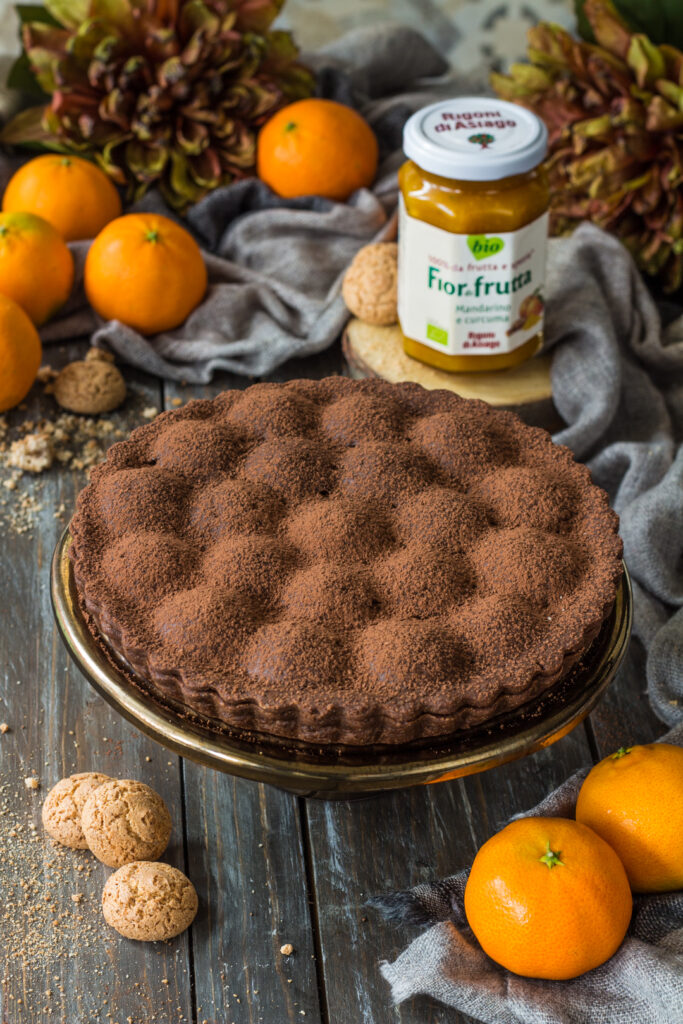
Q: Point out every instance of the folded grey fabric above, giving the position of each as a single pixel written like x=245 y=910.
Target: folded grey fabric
x=618 y=385
x=275 y=265
x=641 y=984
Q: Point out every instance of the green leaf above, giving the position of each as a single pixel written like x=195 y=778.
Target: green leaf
x=106 y=159
x=196 y=15
x=530 y=77
x=256 y=15
x=114 y=12
x=662 y=116
x=69 y=13
x=661 y=20
x=645 y=60
x=26 y=127
x=45 y=64
x=147 y=163
x=22 y=79
x=34 y=12
x=671 y=92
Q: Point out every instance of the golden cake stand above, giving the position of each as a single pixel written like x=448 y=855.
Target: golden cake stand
x=341 y=771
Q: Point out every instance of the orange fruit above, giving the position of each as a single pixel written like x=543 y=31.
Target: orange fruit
x=36 y=267
x=20 y=353
x=317 y=148
x=74 y=195
x=634 y=800
x=146 y=271
x=548 y=898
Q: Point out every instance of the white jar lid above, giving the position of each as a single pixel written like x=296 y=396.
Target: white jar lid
x=475 y=138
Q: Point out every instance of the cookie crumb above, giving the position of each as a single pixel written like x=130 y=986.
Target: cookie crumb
x=149 y=412
x=4 y=727
x=77 y=897
x=33 y=453
x=76 y=442
x=32 y=782
x=287 y=949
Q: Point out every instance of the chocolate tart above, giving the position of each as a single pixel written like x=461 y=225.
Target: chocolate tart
x=350 y=562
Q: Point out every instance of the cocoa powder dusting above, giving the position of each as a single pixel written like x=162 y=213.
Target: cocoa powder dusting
x=345 y=561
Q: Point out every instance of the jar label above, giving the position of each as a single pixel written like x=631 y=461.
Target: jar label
x=470 y=294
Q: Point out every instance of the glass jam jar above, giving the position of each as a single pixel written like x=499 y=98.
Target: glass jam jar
x=473 y=225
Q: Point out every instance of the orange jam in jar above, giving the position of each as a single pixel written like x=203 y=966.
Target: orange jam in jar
x=473 y=225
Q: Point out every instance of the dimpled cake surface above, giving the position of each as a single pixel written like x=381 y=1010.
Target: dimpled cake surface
x=339 y=561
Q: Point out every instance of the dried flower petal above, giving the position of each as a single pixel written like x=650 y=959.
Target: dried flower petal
x=162 y=92
x=614 y=114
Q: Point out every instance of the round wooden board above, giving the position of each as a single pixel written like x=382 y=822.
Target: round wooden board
x=378 y=352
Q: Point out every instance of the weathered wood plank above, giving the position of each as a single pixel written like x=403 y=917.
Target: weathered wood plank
x=494 y=797
x=624 y=715
x=246 y=856
x=366 y=847
x=246 y=851
x=55 y=966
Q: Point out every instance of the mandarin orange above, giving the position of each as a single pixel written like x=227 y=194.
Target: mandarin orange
x=36 y=267
x=74 y=195
x=634 y=800
x=548 y=898
x=20 y=353
x=146 y=271
x=317 y=147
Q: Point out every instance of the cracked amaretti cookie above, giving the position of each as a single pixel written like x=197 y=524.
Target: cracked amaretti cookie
x=343 y=561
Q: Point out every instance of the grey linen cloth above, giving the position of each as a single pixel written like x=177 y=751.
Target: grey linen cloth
x=275 y=265
x=618 y=385
x=641 y=984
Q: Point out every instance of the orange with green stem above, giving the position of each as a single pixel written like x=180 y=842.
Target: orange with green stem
x=548 y=898
x=145 y=271
x=36 y=267
x=317 y=147
x=73 y=194
x=634 y=800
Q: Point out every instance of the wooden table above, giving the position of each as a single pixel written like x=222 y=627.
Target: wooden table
x=270 y=868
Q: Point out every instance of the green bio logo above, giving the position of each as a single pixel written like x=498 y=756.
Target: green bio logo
x=437 y=334
x=482 y=247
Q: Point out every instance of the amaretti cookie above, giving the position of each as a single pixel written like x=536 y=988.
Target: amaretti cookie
x=124 y=820
x=149 y=901
x=63 y=808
